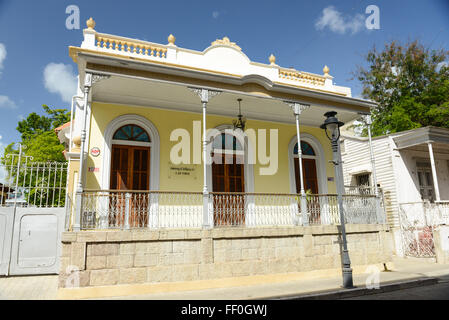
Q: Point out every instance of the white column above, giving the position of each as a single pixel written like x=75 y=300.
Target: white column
x=434 y=173
x=204 y=101
x=89 y=80
x=297 y=110
x=80 y=185
x=87 y=86
x=373 y=162
x=205 y=95
x=379 y=212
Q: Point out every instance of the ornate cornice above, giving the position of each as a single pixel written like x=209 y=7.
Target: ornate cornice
x=225 y=41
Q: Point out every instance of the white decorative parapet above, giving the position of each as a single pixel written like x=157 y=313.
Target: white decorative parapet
x=221 y=56
x=129 y=47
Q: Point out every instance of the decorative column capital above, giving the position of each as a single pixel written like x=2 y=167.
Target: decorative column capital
x=99 y=77
x=88 y=80
x=297 y=107
x=92 y=78
x=204 y=94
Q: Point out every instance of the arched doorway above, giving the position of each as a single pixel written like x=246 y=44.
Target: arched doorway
x=228 y=180
x=309 y=168
x=130 y=171
x=310 y=178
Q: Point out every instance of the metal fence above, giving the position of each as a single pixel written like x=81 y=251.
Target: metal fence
x=159 y=209
x=24 y=183
x=418 y=221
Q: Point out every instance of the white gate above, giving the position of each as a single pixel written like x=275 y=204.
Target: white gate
x=418 y=221
x=32 y=215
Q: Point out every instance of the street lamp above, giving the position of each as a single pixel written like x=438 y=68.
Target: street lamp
x=332 y=128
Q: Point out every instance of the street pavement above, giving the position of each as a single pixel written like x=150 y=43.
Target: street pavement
x=439 y=291
x=45 y=287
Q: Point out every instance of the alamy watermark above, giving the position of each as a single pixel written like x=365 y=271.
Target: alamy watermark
x=372 y=22
x=73 y=277
x=72 y=22
x=373 y=279
x=248 y=147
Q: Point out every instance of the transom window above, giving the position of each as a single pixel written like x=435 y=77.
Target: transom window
x=131 y=132
x=306 y=149
x=226 y=142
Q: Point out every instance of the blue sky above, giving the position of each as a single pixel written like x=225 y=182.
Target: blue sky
x=35 y=68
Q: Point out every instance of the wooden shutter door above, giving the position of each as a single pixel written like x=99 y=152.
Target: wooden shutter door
x=228 y=178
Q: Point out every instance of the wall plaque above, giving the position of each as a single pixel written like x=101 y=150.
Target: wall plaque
x=177 y=171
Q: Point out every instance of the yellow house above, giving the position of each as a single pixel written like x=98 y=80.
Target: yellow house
x=148 y=107
x=191 y=167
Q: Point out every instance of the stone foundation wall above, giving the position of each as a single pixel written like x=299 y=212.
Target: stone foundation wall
x=130 y=257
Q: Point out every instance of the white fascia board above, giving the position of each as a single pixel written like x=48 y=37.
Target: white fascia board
x=204 y=75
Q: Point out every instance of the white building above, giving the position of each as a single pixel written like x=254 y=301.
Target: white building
x=412 y=170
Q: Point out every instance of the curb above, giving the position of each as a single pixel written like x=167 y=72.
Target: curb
x=362 y=291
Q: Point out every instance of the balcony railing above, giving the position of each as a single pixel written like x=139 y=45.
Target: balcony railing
x=162 y=209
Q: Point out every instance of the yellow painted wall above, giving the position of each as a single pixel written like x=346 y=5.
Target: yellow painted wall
x=166 y=121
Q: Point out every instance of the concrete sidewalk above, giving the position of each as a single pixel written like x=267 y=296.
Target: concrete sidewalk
x=29 y=288
x=45 y=287
x=405 y=270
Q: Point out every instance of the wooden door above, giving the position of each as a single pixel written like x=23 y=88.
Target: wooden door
x=130 y=170
x=228 y=177
x=310 y=179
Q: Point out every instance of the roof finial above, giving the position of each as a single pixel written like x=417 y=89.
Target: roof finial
x=171 y=39
x=90 y=23
x=272 y=59
x=326 y=70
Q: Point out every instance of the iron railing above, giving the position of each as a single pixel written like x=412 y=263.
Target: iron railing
x=24 y=183
x=131 y=210
x=163 y=209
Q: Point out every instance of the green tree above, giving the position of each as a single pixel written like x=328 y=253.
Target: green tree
x=410 y=83
x=43 y=180
x=38 y=135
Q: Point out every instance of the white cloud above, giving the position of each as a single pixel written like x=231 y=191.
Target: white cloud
x=59 y=78
x=7 y=103
x=215 y=14
x=336 y=22
x=442 y=64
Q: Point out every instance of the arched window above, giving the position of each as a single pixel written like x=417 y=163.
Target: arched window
x=226 y=142
x=306 y=149
x=131 y=132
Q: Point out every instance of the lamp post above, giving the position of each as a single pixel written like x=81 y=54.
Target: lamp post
x=332 y=128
